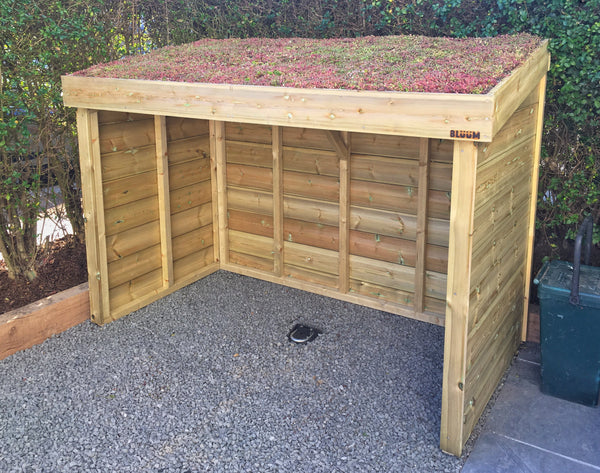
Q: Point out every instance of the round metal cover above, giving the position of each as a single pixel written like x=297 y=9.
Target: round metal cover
x=302 y=334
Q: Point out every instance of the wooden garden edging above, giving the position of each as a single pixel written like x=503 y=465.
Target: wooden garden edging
x=32 y=324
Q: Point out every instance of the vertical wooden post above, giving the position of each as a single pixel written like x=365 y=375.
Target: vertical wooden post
x=214 y=189
x=341 y=143
x=164 y=200
x=93 y=212
x=422 y=224
x=344 y=225
x=535 y=171
x=218 y=153
x=277 y=145
x=464 y=170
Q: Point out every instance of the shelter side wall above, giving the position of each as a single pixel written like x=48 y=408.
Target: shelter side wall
x=156 y=189
x=337 y=213
x=386 y=200
x=505 y=173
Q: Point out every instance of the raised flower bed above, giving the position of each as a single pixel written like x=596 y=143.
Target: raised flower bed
x=398 y=173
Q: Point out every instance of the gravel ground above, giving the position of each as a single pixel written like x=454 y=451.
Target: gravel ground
x=206 y=380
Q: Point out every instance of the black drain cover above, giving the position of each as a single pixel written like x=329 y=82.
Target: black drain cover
x=303 y=334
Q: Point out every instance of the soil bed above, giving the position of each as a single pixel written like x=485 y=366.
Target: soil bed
x=61 y=266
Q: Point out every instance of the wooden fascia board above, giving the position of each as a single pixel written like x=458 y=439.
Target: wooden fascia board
x=510 y=93
x=442 y=116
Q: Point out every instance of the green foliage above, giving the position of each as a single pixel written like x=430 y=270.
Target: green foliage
x=37 y=135
x=42 y=40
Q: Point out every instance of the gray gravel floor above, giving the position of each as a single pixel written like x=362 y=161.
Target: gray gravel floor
x=206 y=380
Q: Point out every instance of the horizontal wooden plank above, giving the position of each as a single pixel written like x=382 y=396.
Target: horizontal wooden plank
x=190 y=196
x=128 y=163
x=30 y=325
x=395 y=113
x=249 y=132
x=188 y=220
x=252 y=154
x=313 y=161
x=310 y=257
x=401 y=172
x=188 y=149
x=188 y=173
x=320 y=212
x=129 y=189
x=399 y=225
x=384 y=274
x=431 y=305
x=128 y=216
x=250 y=261
x=326 y=213
x=250 y=244
x=310 y=276
x=501 y=199
x=480 y=391
x=384 y=293
x=397 y=250
x=395 y=276
x=307 y=138
x=133 y=266
x=521 y=127
x=135 y=290
x=181 y=128
x=250 y=223
x=311 y=186
x=312 y=234
x=402 y=199
x=107 y=116
x=504 y=301
x=250 y=177
x=123 y=136
x=250 y=201
x=186 y=267
x=386 y=145
x=122 y=244
x=192 y=242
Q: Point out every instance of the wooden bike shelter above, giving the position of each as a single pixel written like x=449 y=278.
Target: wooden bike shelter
x=418 y=204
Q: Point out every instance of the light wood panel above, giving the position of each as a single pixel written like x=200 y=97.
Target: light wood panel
x=164 y=200
x=395 y=113
x=452 y=432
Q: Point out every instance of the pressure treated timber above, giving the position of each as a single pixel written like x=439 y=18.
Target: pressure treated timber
x=164 y=201
x=84 y=131
x=417 y=204
x=32 y=324
x=541 y=95
x=457 y=297
x=278 y=185
x=422 y=213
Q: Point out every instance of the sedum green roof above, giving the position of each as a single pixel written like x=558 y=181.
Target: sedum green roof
x=390 y=63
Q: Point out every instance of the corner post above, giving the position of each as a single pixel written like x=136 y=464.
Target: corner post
x=535 y=171
x=93 y=213
x=464 y=172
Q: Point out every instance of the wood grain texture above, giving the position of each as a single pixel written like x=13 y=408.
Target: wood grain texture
x=452 y=432
x=164 y=200
x=30 y=325
x=84 y=133
x=537 y=148
x=395 y=113
x=422 y=212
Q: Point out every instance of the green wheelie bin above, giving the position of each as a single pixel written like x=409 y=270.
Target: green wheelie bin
x=570 y=325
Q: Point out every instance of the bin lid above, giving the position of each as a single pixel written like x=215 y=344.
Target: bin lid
x=554 y=281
